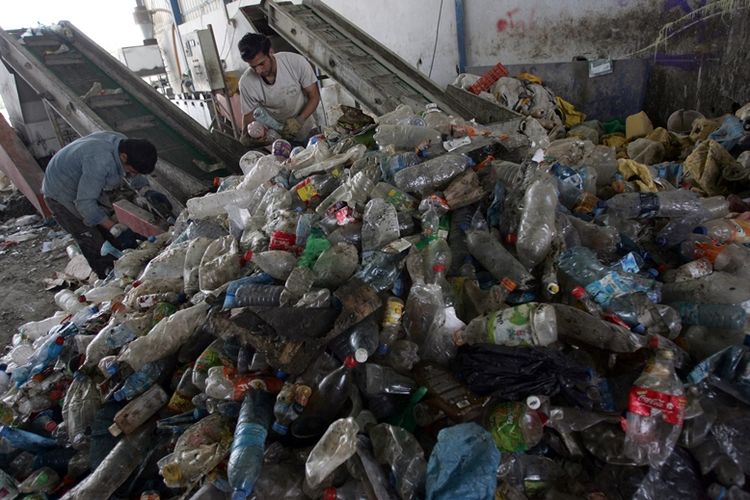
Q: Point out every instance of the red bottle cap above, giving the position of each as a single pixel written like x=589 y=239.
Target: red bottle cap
x=578 y=292
x=508 y=284
x=511 y=238
x=329 y=493
x=60 y=340
x=82 y=298
x=350 y=362
x=136 y=283
x=438 y=268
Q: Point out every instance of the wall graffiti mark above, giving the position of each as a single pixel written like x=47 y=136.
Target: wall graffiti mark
x=511 y=21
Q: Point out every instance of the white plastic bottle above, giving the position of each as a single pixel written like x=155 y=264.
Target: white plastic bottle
x=68 y=301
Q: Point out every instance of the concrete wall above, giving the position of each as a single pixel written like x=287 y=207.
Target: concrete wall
x=516 y=32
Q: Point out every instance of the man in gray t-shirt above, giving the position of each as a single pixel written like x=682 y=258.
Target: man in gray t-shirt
x=282 y=83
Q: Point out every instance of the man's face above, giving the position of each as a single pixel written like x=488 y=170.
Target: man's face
x=262 y=64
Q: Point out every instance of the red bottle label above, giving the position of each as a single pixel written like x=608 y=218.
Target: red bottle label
x=281 y=240
x=642 y=401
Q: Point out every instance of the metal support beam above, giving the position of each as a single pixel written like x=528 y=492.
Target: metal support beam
x=461 y=36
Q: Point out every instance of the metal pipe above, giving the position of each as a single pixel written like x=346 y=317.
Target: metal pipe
x=461 y=36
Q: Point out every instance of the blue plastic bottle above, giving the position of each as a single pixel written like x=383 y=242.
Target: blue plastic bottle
x=139 y=381
x=261 y=114
x=24 y=440
x=246 y=457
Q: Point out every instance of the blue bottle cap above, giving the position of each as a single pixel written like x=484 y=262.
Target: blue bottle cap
x=653 y=272
x=639 y=328
x=3 y=367
x=151 y=239
x=281 y=375
x=700 y=230
x=119 y=395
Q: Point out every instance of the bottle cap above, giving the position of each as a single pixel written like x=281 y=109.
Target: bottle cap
x=115 y=430
x=553 y=288
x=281 y=375
x=578 y=292
x=330 y=493
x=534 y=402
x=700 y=230
x=81 y=299
x=240 y=494
x=361 y=355
x=350 y=362
x=511 y=238
x=639 y=328
x=509 y=284
x=60 y=340
x=119 y=395
x=3 y=367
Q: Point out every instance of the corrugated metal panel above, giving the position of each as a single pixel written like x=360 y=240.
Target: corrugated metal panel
x=194 y=9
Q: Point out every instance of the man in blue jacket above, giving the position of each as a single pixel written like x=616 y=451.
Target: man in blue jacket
x=76 y=178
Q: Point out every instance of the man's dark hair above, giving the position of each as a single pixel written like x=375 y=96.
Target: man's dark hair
x=141 y=154
x=253 y=44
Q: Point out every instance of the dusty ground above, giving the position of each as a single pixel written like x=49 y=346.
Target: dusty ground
x=24 y=266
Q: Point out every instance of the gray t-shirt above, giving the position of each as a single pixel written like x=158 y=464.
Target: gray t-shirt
x=283 y=99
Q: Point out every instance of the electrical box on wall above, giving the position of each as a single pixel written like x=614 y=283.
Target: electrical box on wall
x=203 y=59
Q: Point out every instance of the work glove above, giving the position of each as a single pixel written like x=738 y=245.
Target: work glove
x=124 y=237
x=251 y=143
x=159 y=201
x=291 y=128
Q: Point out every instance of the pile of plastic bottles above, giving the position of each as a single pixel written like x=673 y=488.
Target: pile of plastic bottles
x=438 y=310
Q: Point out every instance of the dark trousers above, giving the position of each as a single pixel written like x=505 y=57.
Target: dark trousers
x=89 y=239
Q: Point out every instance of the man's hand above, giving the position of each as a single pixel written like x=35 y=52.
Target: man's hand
x=124 y=236
x=291 y=128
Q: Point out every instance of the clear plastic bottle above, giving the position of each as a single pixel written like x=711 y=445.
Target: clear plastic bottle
x=364 y=340
x=400 y=161
x=692 y=270
x=526 y=324
x=214 y=204
x=246 y=456
x=225 y=383
x=299 y=282
x=436 y=119
x=290 y=403
x=655 y=412
x=350 y=490
x=336 y=446
x=354 y=191
x=675 y=203
x=138 y=411
x=114 y=470
x=579 y=293
x=328 y=398
x=401 y=111
x=401 y=452
x=69 y=301
x=379 y=224
x=406 y=137
x=312 y=190
x=431 y=174
x=437 y=262
x=496 y=259
x=726 y=230
x=380 y=379
x=719 y=316
x=393 y=195
x=537 y=228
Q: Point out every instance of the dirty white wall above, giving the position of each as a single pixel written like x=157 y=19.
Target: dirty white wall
x=509 y=31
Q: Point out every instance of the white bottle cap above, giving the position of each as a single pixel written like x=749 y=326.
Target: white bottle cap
x=533 y=402
x=361 y=355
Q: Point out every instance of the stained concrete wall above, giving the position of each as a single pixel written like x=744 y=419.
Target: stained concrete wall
x=703 y=64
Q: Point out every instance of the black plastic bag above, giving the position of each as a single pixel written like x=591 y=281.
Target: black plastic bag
x=513 y=373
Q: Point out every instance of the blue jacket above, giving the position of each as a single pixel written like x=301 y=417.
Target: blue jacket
x=79 y=173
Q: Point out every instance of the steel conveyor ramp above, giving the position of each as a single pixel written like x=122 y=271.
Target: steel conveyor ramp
x=93 y=91
x=374 y=75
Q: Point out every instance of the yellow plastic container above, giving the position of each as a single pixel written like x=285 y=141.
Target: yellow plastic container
x=638 y=125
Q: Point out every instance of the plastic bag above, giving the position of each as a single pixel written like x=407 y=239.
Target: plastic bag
x=514 y=373
x=463 y=464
